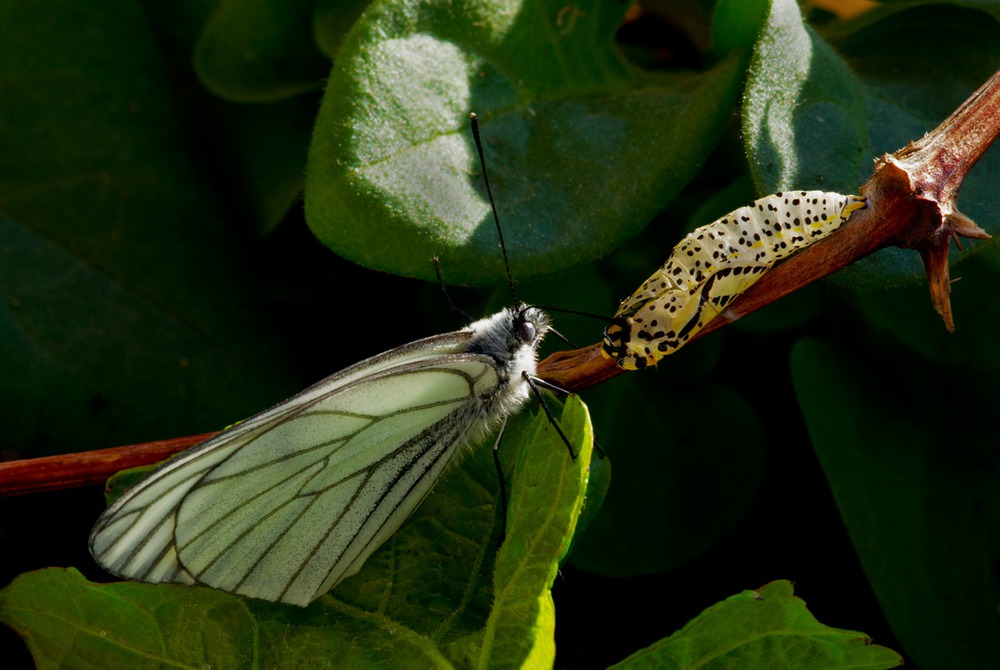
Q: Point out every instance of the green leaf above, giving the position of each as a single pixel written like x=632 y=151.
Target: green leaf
x=582 y=149
x=260 y=51
x=266 y=154
x=735 y=24
x=436 y=594
x=521 y=628
x=765 y=628
x=107 y=334
x=181 y=23
x=905 y=314
x=120 y=482
x=817 y=112
x=333 y=20
x=918 y=495
x=800 y=95
x=125 y=625
x=260 y=149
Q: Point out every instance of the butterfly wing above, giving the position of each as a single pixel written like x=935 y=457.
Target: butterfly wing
x=288 y=503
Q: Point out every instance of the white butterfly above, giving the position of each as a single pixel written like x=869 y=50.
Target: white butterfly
x=288 y=503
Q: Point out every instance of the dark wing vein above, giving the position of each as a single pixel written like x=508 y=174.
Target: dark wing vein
x=360 y=506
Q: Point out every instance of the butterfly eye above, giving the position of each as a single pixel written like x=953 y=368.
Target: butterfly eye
x=527 y=330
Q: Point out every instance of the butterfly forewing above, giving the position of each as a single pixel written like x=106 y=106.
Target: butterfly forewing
x=289 y=535
x=288 y=503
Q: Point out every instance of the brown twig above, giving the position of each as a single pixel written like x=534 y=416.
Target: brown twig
x=911 y=204
x=90 y=467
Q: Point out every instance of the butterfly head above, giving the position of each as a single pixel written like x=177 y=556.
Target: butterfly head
x=510 y=337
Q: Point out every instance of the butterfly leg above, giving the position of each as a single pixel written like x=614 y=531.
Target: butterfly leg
x=503 y=482
x=535 y=383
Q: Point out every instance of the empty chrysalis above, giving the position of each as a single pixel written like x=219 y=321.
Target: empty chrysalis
x=714 y=264
x=285 y=505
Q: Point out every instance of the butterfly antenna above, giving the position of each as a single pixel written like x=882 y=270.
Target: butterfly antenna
x=489 y=192
x=563 y=337
x=574 y=312
x=444 y=289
